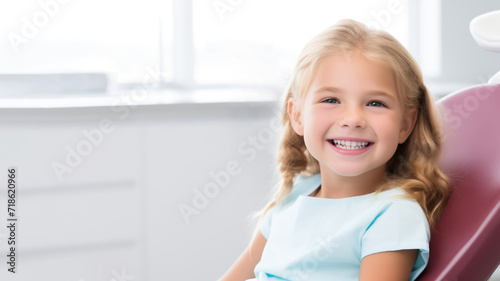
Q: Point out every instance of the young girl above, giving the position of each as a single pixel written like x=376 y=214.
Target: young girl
x=360 y=187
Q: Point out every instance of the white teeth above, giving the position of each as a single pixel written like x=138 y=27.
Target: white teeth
x=350 y=145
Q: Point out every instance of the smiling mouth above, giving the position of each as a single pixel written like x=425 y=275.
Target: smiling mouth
x=350 y=145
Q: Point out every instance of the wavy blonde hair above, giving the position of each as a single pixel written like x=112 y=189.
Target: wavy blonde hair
x=413 y=167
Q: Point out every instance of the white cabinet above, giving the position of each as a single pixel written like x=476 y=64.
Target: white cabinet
x=96 y=206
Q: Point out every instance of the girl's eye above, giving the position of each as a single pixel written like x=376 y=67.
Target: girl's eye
x=376 y=103
x=330 y=100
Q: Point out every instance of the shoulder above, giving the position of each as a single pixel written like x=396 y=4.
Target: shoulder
x=304 y=185
x=396 y=208
x=397 y=223
x=397 y=220
x=397 y=200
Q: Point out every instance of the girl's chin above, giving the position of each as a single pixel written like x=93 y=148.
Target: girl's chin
x=348 y=173
x=346 y=170
x=343 y=172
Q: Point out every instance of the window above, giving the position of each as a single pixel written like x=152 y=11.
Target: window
x=192 y=43
x=121 y=38
x=257 y=42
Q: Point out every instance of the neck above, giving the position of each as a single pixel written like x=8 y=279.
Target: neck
x=337 y=186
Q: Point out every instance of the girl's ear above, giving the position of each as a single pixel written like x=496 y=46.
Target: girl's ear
x=295 y=117
x=408 y=123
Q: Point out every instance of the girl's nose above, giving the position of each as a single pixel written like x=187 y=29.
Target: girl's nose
x=352 y=118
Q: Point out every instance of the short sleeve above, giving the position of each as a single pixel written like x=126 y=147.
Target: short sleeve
x=302 y=185
x=265 y=224
x=400 y=225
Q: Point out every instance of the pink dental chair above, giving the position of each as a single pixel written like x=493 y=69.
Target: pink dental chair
x=465 y=244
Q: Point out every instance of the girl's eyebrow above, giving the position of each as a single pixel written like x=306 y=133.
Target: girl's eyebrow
x=335 y=90
x=382 y=93
x=332 y=90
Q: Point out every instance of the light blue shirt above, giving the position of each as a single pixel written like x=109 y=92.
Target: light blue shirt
x=310 y=238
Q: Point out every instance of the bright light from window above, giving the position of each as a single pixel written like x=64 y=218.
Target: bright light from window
x=110 y=36
x=236 y=42
x=258 y=41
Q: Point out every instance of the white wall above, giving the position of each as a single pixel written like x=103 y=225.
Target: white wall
x=441 y=42
x=463 y=60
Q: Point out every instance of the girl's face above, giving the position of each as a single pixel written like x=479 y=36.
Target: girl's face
x=351 y=118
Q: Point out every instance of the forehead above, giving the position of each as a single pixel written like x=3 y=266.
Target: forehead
x=353 y=72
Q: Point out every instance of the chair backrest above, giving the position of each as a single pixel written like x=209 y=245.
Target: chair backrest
x=465 y=245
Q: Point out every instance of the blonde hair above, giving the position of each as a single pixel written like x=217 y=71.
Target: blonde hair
x=413 y=167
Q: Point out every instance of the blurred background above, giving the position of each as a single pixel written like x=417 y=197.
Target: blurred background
x=145 y=132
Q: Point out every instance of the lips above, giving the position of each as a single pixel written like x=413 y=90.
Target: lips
x=350 y=144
